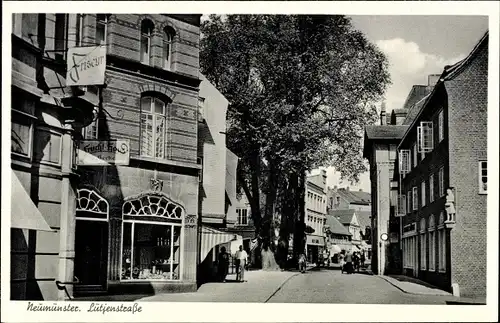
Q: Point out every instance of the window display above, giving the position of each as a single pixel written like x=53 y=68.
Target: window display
x=151 y=251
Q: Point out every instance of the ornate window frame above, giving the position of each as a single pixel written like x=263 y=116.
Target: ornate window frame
x=88 y=200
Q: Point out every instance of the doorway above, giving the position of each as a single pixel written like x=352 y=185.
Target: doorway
x=91 y=254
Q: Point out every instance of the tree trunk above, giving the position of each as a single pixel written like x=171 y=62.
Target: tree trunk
x=299 y=233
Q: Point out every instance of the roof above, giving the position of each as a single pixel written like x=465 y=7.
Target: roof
x=364 y=219
x=414 y=110
x=385 y=132
x=344 y=216
x=399 y=111
x=336 y=227
x=449 y=73
x=355 y=197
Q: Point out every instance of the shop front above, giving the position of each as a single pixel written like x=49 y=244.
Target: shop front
x=315 y=245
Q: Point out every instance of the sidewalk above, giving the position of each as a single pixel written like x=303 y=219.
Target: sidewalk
x=414 y=286
x=259 y=287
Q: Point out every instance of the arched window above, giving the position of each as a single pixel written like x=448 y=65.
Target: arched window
x=168 y=39
x=153 y=127
x=147 y=28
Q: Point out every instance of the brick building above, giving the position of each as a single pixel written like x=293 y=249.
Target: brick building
x=437 y=193
x=443 y=167
x=143 y=217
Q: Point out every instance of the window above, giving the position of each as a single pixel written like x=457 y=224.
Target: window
x=483 y=177
x=48 y=146
x=402 y=205
x=168 y=39
x=23 y=110
x=423 y=193
x=101 y=29
x=423 y=245
x=441 y=244
x=30 y=27
x=415 y=156
x=60 y=36
x=151 y=250
x=425 y=138
x=392 y=152
x=408 y=198
x=415 y=198
x=153 y=127
x=146 y=34
x=441 y=181
x=432 y=243
x=242 y=216
x=431 y=188
x=91 y=131
x=440 y=126
x=201 y=108
x=404 y=162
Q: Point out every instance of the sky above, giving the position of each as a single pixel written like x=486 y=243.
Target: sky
x=415 y=46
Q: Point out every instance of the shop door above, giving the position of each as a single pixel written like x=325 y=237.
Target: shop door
x=91 y=253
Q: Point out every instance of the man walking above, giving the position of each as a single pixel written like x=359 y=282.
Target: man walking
x=241 y=260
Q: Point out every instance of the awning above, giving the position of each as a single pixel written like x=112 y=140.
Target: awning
x=211 y=237
x=24 y=214
x=315 y=240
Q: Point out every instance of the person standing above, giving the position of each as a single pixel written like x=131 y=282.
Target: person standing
x=241 y=261
x=342 y=262
x=223 y=264
x=363 y=259
x=348 y=263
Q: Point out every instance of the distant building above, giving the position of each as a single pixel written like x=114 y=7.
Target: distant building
x=338 y=238
x=315 y=216
x=344 y=198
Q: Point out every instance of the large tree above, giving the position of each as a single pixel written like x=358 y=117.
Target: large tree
x=301 y=89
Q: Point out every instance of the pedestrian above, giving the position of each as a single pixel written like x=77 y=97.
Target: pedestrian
x=302 y=263
x=363 y=259
x=348 y=263
x=355 y=261
x=342 y=261
x=241 y=259
x=223 y=267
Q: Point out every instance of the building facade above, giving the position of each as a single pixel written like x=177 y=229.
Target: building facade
x=344 y=198
x=143 y=215
x=315 y=216
x=443 y=167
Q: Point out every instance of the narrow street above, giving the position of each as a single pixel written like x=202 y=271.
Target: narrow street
x=330 y=286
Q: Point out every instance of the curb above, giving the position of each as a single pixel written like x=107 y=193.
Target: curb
x=407 y=292
x=279 y=287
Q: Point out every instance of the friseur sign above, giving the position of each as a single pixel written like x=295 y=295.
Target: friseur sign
x=86 y=66
x=103 y=152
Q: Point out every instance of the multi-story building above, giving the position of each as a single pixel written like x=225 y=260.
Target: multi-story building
x=443 y=168
x=338 y=238
x=141 y=215
x=315 y=216
x=344 y=198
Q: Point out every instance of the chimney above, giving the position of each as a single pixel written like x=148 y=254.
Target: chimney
x=383 y=117
x=432 y=79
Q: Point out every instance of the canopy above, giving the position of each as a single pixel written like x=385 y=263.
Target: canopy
x=24 y=214
x=211 y=237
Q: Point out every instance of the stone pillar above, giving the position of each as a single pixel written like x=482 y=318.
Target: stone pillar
x=67 y=221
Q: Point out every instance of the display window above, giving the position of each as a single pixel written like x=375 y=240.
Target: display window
x=151 y=248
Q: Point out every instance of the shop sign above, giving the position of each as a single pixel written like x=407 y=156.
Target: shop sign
x=86 y=66
x=103 y=152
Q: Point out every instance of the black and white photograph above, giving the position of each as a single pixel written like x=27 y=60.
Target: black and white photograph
x=237 y=157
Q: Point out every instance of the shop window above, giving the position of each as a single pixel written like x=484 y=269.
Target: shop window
x=146 y=35
x=432 y=243
x=153 y=127
x=168 y=40
x=483 y=177
x=242 y=216
x=47 y=146
x=151 y=239
x=101 y=29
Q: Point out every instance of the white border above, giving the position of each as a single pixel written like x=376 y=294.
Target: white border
x=223 y=312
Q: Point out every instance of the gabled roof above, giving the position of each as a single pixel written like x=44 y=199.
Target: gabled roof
x=336 y=227
x=449 y=73
x=385 y=132
x=344 y=216
x=364 y=219
x=355 y=197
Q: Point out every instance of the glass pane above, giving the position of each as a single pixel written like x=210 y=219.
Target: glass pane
x=159 y=106
x=144 y=49
x=100 y=33
x=160 y=136
x=176 y=252
x=147 y=135
x=146 y=104
x=48 y=146
x=126 y=272
x=101 y=18
x=20 y=137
